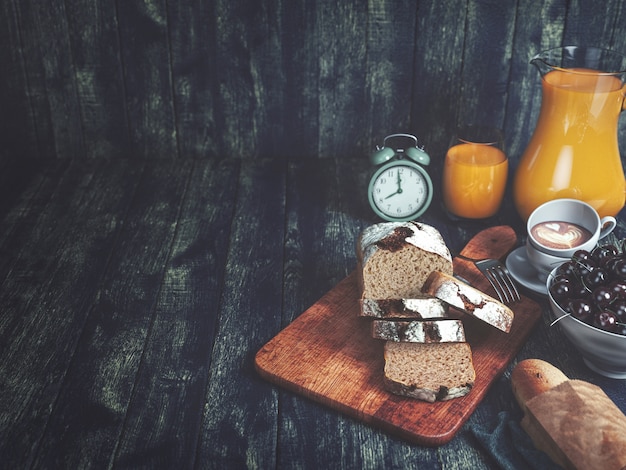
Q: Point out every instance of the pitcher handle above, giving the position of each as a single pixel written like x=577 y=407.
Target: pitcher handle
x=607 y=225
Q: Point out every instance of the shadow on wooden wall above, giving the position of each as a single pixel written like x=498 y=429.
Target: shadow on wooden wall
x=262 y=78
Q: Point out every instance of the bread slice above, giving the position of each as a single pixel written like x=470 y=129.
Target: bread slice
x=438 y=331
x=429 y=372
x=426 y=307
x=469 y=299
x=395 y=258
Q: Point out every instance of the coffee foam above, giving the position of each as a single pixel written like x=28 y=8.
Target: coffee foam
x=560 y=235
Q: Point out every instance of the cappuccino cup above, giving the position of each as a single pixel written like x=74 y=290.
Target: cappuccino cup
x=558 y=228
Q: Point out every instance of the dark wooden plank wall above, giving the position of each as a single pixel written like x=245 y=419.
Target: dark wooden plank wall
x=266 y=78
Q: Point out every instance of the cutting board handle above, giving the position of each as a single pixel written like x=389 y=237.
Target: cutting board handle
x=494 y=242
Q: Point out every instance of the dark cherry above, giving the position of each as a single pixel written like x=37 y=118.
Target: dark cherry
x=602 y=296
x=568 y=269
x=561 y=289
x=605 y=320
x=608 y=262
x=581 y=255
x=586 y=266
x=595 y=278
x=603 y=251
x=581 y=309
x=619 y=309
x=619 y=289
x=578 y=290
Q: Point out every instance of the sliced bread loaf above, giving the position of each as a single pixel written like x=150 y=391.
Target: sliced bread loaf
x=426 y=307
x=469 y=299
x=395 y=258
x=427 y=331
x=429 y=372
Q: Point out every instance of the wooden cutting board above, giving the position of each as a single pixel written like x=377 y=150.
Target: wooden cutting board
x=327 y=354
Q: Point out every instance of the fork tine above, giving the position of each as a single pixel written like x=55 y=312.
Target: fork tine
x=506 y=283
x=500 y=279
x=510 y=284
x=497 y=285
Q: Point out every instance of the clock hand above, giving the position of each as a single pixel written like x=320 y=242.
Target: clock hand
x=399 y=191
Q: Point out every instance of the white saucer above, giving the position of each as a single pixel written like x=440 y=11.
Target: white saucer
x=522 y=271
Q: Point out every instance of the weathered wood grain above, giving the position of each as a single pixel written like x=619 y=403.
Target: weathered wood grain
x=93 y=40
x=487 y=60
x=66 y=239
x=265 y=79
x=18 y=133
x=341 y=48
x=46 y=77
x=195 y=71
x=144 y=39
x=239 y=418
x=388 y=70
x=169 y=390
x=100 y=379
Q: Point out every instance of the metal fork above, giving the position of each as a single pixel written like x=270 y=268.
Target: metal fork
x=499 y=277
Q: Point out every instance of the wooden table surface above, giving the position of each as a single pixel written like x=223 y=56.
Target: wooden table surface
x=135 y=294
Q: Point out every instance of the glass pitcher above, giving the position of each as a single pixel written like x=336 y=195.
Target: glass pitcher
x=574 y=152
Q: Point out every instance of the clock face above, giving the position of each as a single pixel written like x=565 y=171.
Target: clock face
x=400 y=190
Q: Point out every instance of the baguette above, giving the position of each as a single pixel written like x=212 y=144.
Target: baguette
x=532 y=377
x=572 y=421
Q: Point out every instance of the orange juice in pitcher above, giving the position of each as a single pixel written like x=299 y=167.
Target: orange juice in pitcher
x=574 y=152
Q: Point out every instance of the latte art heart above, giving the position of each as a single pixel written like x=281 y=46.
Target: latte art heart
x=560 y=235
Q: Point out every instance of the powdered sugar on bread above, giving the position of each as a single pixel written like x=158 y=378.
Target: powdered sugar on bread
x=426 y=307
x=392 y=235
x=470 y=300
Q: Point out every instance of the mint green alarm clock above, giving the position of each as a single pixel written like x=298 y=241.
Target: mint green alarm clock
x=400 y=189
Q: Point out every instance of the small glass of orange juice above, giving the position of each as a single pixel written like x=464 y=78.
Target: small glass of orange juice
x=475 y=172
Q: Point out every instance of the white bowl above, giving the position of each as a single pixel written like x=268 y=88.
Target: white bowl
x=603 y=351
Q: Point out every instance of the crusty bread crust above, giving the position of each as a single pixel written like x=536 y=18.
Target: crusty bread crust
x=426 y=331
x=469 y=299
x=532 y=377
x=395 y=258
x=573 y=421
x=426 y=307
